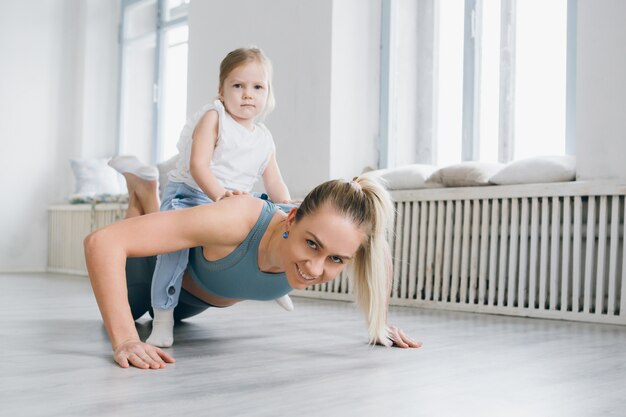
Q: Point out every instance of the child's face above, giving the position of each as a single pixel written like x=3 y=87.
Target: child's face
x=244 y=92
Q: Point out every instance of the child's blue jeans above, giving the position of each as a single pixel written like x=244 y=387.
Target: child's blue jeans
x=170 y=267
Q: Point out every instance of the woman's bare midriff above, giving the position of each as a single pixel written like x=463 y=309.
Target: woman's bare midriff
x=194 y=289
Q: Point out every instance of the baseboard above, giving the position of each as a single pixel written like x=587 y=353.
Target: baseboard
x=23 y=271
x=67 y=271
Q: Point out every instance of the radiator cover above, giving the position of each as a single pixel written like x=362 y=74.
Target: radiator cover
x=541 y=250
x=68 y=225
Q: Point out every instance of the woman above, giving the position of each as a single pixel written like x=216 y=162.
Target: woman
x=338 y=223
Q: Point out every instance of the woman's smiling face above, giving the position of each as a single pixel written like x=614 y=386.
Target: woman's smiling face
x=319 y=246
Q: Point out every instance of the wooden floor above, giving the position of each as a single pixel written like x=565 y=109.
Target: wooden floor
x=255 y=359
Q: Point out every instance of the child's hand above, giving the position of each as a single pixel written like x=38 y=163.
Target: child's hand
x=291 y=202
x=229 y=193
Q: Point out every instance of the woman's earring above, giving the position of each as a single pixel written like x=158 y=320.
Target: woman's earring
x=285 y=235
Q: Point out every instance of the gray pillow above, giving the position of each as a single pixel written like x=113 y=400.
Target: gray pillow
x=465 y=174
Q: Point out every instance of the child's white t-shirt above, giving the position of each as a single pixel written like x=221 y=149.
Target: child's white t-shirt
x=240 y=155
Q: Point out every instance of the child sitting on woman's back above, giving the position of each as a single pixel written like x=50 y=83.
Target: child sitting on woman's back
x=224 y=149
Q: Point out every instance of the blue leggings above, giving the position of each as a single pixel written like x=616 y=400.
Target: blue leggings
x=139 y=273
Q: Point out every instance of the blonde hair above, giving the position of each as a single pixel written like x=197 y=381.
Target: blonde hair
x=368 y=204
x=241 y=56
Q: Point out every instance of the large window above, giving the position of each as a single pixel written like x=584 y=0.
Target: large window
x=493 y=80
x=153 y=77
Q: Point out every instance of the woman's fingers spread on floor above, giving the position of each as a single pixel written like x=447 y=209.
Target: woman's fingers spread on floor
x=397 y=338
x=157 y=359
x=165 y=356
x=149 y=361
x=122 y=361
x=136 y=361
x=400 y=339
x=141 y=355
x=409 y=341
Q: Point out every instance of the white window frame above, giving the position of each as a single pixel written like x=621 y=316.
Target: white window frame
x=162 y=26
x=425 y=153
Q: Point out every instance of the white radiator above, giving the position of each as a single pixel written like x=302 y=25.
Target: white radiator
x=68 y=225
x=543 y=250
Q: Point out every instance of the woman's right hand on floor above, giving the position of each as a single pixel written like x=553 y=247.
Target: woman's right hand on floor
x=141 y=355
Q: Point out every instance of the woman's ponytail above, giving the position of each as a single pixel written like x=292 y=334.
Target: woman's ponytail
x=371 y=269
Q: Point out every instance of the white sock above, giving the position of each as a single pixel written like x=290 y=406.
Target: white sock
x=131 y=165
x=162 y=328
x=285 y=302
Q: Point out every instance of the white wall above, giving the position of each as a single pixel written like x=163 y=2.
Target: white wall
x=296 y=37
x=601 y=90
x=312 y=45
x=355 y=93
x=97 y=91
x=58 y=80
x=54 y=105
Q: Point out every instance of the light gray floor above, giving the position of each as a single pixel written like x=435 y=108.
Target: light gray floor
x=254 y=359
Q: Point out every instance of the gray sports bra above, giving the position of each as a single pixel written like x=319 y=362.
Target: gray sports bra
x=237 y=275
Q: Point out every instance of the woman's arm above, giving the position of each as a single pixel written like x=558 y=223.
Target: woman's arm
x=273 y=182
x=106 y=251
x=106 y=263
x=203 y=143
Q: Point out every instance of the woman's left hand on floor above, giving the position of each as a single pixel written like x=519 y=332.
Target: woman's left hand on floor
x=399 y=339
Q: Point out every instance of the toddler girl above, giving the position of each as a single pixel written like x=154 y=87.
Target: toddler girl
x=224 y=149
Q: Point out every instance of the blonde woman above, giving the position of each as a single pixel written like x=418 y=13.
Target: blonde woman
x=242 y=248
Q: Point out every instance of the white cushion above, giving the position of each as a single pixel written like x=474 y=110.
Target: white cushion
x=406 y=177
x=465 y=174
x=93 y=177
x=537 y=170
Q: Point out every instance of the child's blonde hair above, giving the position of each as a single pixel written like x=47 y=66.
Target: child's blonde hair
x=368 y=204
x=241 y=56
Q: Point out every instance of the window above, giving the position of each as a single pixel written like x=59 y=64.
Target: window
x=494 y=80
x=153 y=77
